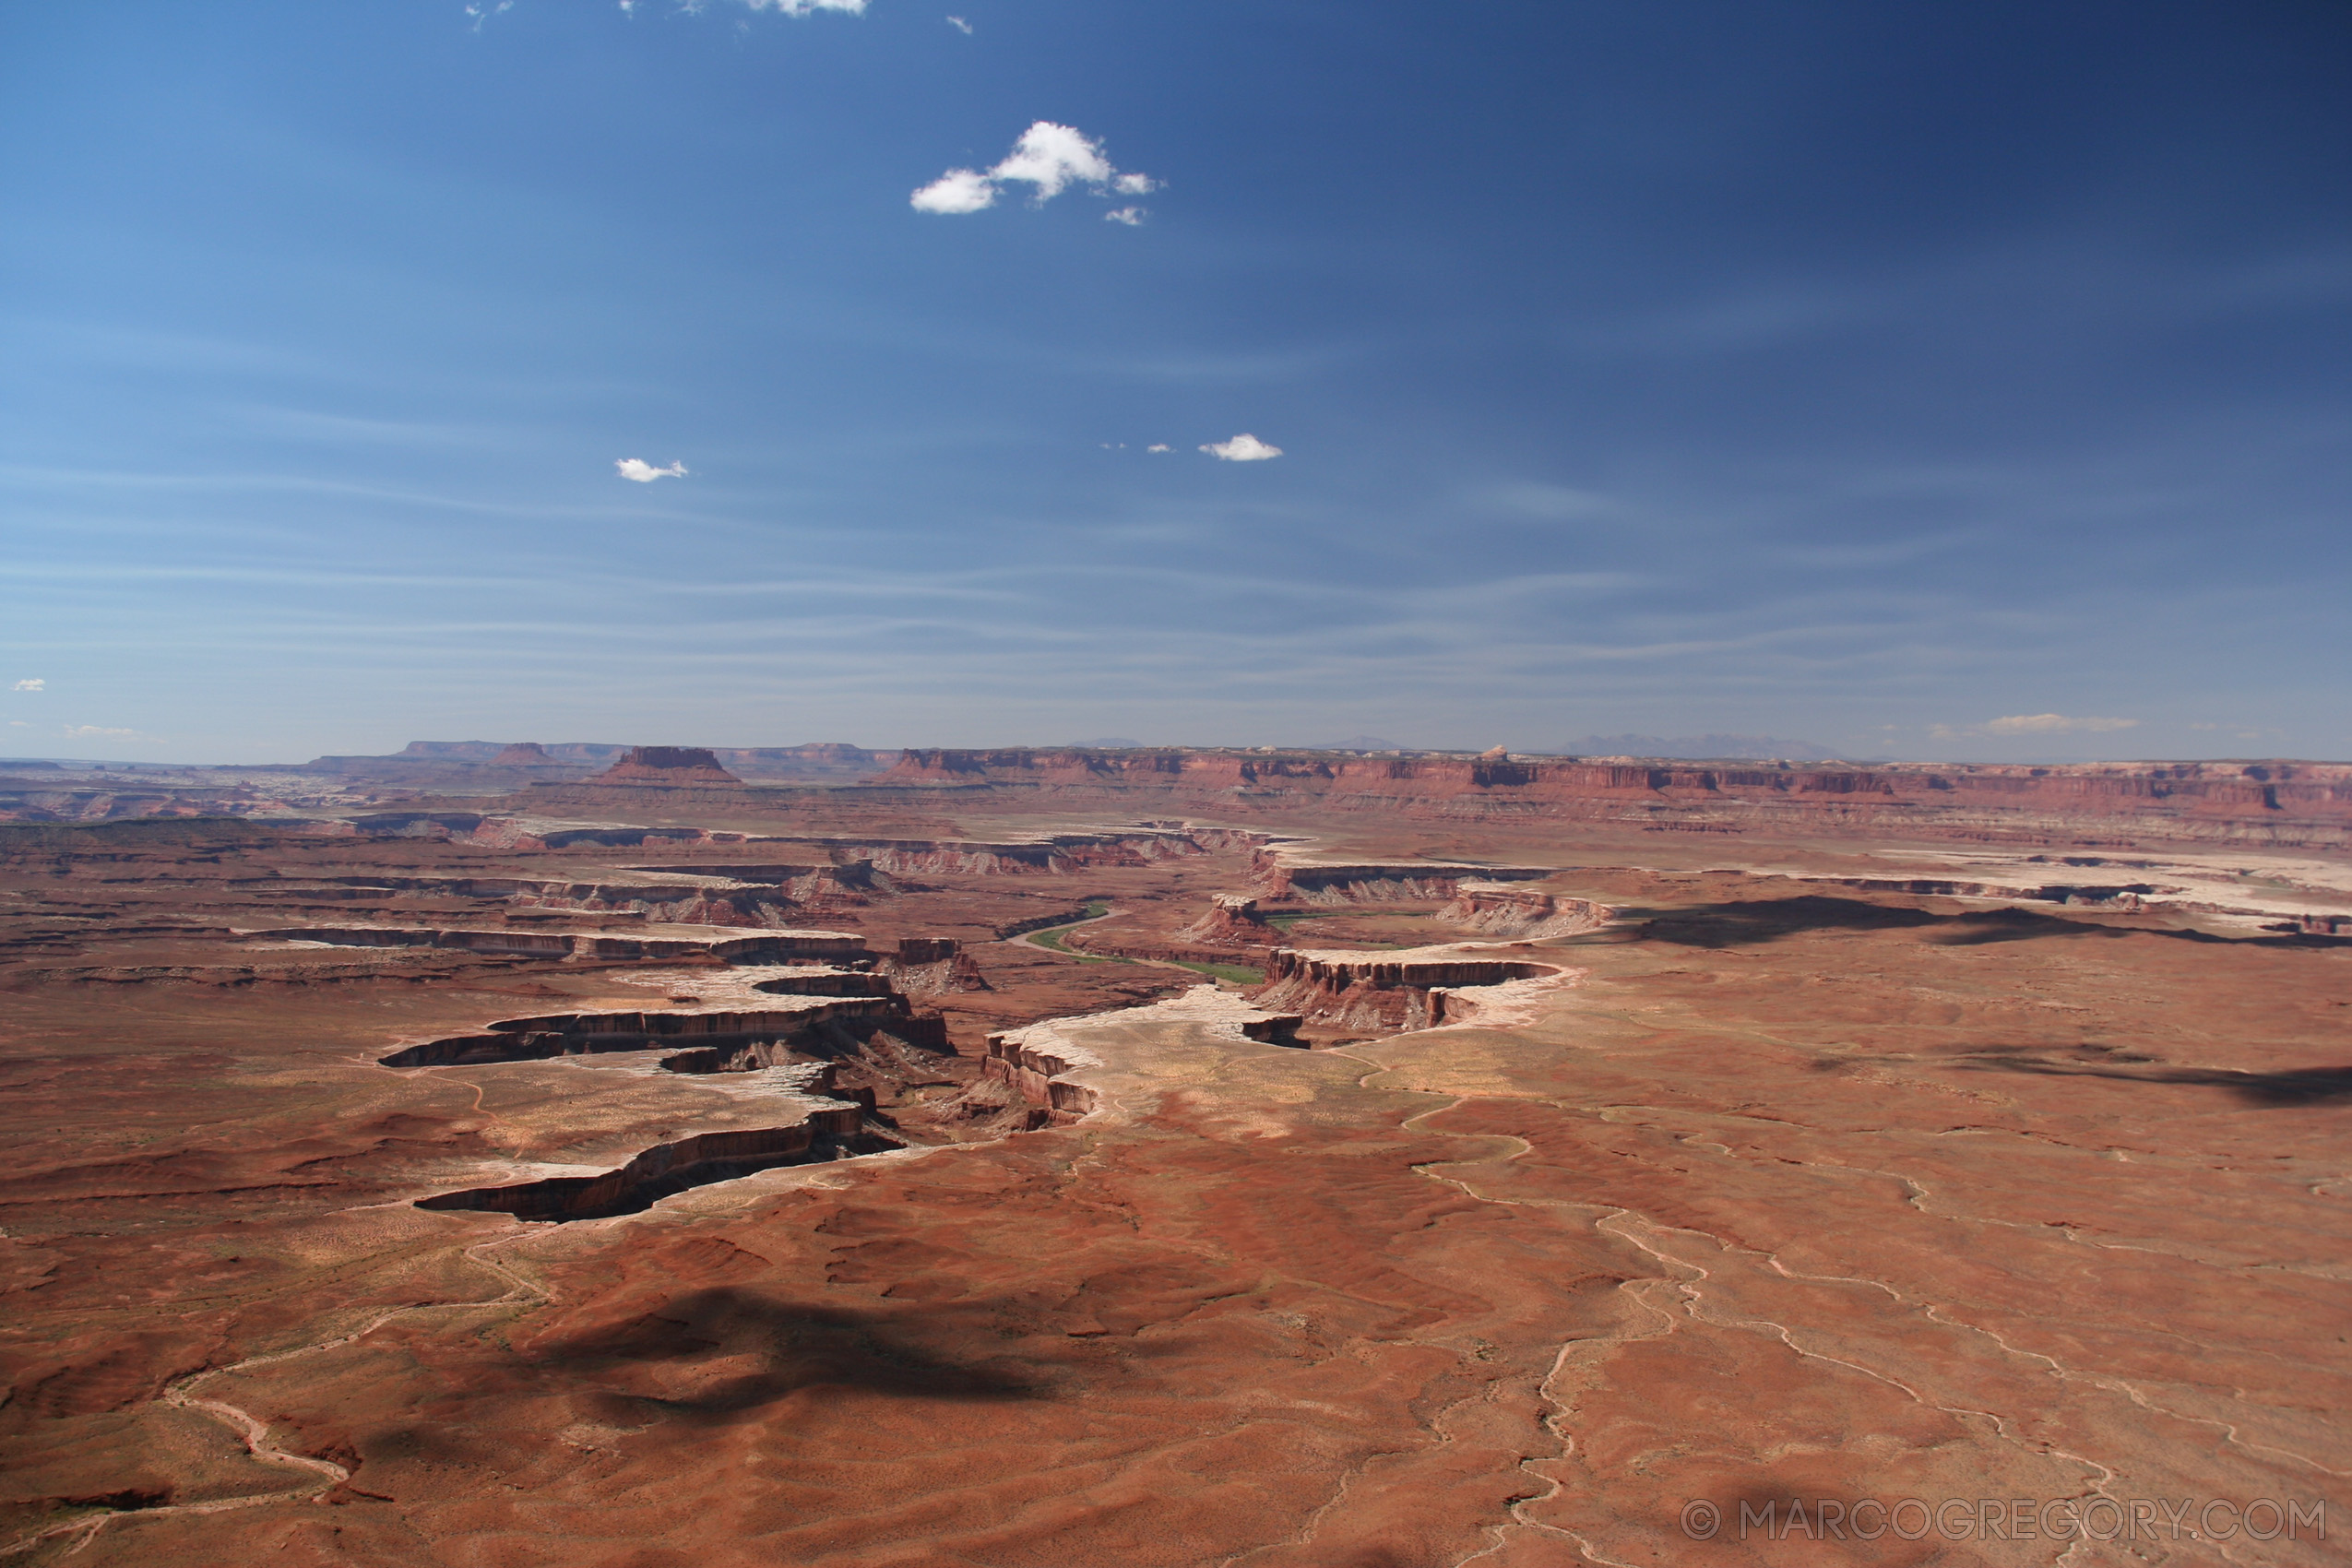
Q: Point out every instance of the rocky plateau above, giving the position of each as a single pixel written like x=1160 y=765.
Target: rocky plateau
x=504 y=1155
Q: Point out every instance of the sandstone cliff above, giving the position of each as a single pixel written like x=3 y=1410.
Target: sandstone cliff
x=1382 y=993
x=670 y=767
x=1232 y=919
x=1503 y=910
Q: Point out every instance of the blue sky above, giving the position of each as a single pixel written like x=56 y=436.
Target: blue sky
x=1964 y=381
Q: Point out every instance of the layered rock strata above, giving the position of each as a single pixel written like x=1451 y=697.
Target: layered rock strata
x=932 y=967
x=768 y=947
x=1032 y=1060
x=668 y=767
x=1232 y=921
x=1500 y=909
x=1059 y=852
x=827 y=1130
x=1315 y=882
x=590 y=1034
x=2284 y=802
x=752 y=895
x=513 y=831
x=1383 y=993
x=1066 y=1069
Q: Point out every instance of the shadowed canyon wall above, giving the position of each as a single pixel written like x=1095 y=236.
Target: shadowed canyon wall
x=671 y=1168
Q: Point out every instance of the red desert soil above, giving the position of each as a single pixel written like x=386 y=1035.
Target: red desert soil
x=1802 y=1162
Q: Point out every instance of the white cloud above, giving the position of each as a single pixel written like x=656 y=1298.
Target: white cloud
x=19 y=724
x=961 y=24
x=1052 y=158
x=645 y=473
x=1049 y=157
x=30 y=685
x=2054 y=723
x=1160 y=446
x=1130 y=216
x=92 y=732
x=481 y=10
x=958 y=190
x=1242 y=448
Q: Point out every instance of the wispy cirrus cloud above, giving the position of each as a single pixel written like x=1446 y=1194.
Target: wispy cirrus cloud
x=2055 y=724
x=961 y=24
x=33 y=685
x=1048 y=156
x=645 y=473
x=1553 y=503
x=2034 y=724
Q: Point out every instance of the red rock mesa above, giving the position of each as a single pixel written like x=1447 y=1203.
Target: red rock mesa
x=669 y=766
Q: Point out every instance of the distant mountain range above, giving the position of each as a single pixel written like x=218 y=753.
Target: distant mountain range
x=1694 y=746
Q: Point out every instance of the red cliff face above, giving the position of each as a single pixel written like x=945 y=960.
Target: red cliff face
x=1034 y=1072
x=1361 y=991
x=2283 y=804
x=1334 y=883
x=1232 y=921
x=670 y=766
x=1521 y=911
